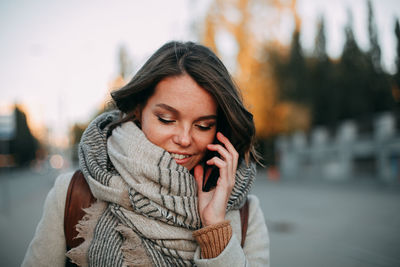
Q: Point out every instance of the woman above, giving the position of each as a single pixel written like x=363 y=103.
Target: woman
x=145 y=162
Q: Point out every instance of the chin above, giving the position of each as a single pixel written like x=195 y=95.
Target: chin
x=189 y=167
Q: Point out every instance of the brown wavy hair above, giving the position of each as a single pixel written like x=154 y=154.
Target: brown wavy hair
x=207 y=70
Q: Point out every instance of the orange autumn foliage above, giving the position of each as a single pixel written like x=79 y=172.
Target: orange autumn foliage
x=244 y=21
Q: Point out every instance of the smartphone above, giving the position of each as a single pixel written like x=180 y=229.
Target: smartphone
x=211 y=172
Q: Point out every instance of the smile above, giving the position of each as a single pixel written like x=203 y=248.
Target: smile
x=179 y=156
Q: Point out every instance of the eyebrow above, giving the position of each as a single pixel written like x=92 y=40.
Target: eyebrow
x=176 y=112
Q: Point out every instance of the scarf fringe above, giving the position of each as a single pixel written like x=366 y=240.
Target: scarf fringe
x=132 y=248
x=85 y=228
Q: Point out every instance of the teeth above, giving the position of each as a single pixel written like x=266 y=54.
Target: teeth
x=179 y=156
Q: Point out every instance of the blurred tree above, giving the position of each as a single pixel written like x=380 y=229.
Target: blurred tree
x=397 y=34
x=308 y=81
x=353 y=87
x=352 y=82
x=75 y=137
x=24 y=145
x=76 y=132
x=325 y=99
x=295 y=85
x=244 y=22
x=396 y=76
x=375 y=49
x=124 y=72
x=124 y=63
x=320 y=41
x=379 y=88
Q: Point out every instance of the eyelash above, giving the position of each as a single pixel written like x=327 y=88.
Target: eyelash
x=201 y=128
x=165 y=121
x=204 y=128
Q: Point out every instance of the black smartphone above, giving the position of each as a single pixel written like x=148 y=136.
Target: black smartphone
x=211 y=173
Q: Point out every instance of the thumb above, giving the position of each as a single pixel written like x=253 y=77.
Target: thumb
x=198 y=176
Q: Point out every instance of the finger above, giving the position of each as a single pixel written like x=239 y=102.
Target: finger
x=199 y=178
x=221 y=150
x=228 y=145
x=230 y=170
x=230 y=159
x=231 y=149
x=222 y=165
x=224 y=186
x=225 y=168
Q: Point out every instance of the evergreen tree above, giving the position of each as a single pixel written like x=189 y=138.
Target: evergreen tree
x=294 y=80
x=355 y=87
x=324 y=98
x=397 y=60
x=375 y=49
x=124 y=62
x=320 y=42
x=352 y=73
x=378 y=87
x=396 y=76
x=397 y=33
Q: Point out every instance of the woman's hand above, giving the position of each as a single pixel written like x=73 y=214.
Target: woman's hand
x=212 y=204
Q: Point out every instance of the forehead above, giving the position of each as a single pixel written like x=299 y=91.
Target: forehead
x=184 y=94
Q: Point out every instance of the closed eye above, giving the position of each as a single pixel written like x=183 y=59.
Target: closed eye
x=204 y=128
x=165 y=121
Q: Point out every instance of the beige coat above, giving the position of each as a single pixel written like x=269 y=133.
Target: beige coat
x=48 y=246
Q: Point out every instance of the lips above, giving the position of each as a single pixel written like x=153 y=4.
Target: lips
x=179 y=156
x=181 y=159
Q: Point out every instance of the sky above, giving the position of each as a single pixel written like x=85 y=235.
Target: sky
x=58 y=58
x=335 y=13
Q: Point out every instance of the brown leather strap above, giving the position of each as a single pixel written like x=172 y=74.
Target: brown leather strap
x=78 y=198
x=244 y=220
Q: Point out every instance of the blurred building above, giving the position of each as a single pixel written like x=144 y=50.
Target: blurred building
x=17 y=144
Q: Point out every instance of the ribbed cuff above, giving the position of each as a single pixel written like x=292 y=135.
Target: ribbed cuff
x=213 y=239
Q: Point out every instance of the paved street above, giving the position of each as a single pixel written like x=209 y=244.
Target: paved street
x=331 y=224
x=311 y=224
x=22 y=194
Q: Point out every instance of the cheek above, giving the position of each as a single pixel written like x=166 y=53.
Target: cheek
x=153 y=132
x=205 y=140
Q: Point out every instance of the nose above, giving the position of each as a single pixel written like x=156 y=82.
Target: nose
x=183 y=137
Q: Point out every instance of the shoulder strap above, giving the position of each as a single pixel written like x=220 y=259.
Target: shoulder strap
x=244 y=220
x=78 y=198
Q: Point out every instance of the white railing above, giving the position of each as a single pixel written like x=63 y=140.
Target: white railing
x=345 y=155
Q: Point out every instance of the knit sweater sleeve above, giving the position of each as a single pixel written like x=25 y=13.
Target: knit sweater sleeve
x=256 y=248
x=213 y=239
x=48 y=246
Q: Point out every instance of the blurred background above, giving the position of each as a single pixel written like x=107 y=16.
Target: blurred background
x=322 y=79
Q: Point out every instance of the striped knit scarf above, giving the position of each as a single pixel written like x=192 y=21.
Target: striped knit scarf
x=147 y=204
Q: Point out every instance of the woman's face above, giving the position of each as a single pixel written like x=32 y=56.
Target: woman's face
x=180 y=117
